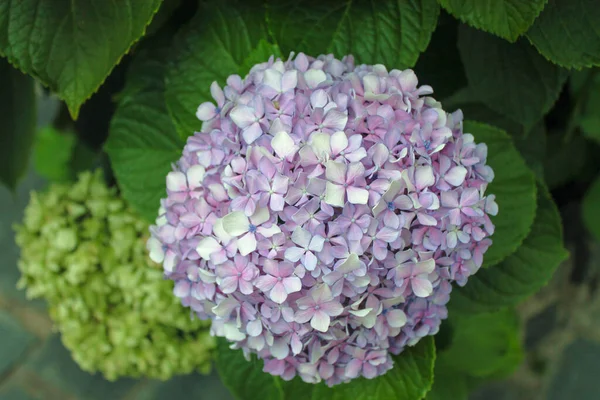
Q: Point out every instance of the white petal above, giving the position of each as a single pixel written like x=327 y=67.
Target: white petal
x=320 y=144
x=396 y=318
x=260 y=216
x=293 y=254
x=176 y=181
x=314 y=77
x=254 y=328
x=206 y=111
x=334 y=195
x=195 y=176
x=207 y=246
x=242 y=116
x=424 y=176
x=316 y=243
x=219 y=231
x=236 y=223
x=336 y=171
x=268 y=232
x=456 y=176
x=301 y=237
x=272 y=78
x=371 y=83
x=157 y=254
x=320 y=321
x=170 y=261
x=352 y=263
x=233 y=333
x=318 y=99
x=339 y=141
x=357 y=195
x=283 y=144
x=289 y=80
x=246 y=244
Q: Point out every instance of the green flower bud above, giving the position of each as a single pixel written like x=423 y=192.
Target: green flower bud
x=84 y=251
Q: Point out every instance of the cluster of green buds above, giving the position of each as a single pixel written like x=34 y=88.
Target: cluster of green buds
x=84 y=251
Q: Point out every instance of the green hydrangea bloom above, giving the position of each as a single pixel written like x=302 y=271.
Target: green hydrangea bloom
x=83 y=250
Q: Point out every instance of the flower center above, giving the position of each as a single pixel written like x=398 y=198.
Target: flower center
x=390 y=206
x=317 y=307
x=427 y=144
x=252 y=228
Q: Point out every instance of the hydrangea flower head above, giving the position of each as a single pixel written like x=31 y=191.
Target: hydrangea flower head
x=322 y=213
x=83 y=251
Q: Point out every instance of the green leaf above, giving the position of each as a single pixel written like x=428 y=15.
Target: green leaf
x=508 y=19
x=71 y=45
x=245 y=379
x=567 y=33
x=259 y=54
x=448 y=385
x=521 y=274
x=216 y=43
x=142 y=142
x=591 y=209
x=17 y=123
x=392 y=33
x=565 y=159
x=442 y=50
x=410 y=379
x=511 y=79
x=514 y=187
x=484 y=345
x=52 y=154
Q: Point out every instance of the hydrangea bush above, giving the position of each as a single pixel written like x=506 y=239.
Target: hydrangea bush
x=322 y=213
x=83 y=251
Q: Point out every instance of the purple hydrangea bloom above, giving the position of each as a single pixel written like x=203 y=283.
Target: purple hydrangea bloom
x=322 y=213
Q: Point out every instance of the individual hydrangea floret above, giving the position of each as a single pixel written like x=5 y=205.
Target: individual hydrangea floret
x=322 y=213
x=83 y=251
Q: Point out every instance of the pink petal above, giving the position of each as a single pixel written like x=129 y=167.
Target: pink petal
x=278 y=294
x=320 y=321
x=229 y=284
x=353 y=368
x=335 y=120
x=206 y=111
x=252 y=132
x=421 y=287
x=456 y=176
x=265 y=282
x=242 y=116
x=303 y=316
x=469 y=197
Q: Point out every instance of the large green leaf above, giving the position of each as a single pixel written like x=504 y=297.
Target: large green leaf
x=508 y=19
x=71 y=45
x=245 y=379
x=17 y=123
x=392 y=33
x=591 y=208
x=442 y=50
x=512 y=79
x=524 y=272
x=567 y=33
x=142 y=142
x=52 y=154
x=514 y=187
x=410 y=379
x=485 y=345
x=219 y=41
